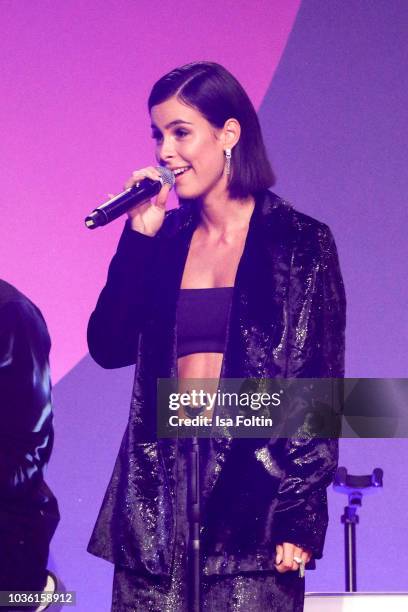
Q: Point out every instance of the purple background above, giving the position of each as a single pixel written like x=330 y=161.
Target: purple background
x=329 y=80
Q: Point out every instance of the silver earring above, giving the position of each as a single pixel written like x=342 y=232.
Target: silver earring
x=228 y=156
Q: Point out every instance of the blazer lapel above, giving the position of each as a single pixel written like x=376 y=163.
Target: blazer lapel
x=256 y=327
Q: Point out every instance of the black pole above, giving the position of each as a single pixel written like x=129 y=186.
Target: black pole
x=193 y=513
x=354 y=487
x=350 y=520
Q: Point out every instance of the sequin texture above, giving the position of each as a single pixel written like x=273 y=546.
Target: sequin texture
x=287 y=319
x=138 y=591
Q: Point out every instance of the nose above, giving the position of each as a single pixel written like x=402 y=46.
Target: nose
x=165 y=150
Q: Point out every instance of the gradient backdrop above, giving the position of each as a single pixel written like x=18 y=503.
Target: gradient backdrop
x=329 y=80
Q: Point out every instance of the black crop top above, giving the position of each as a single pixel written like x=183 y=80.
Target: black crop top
x=202 y=317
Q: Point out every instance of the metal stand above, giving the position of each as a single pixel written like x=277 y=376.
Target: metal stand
x=350 y=520
x=353 y=486
x=193 y=513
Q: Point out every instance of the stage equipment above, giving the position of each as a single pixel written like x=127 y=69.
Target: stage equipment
x=193 y=513
x=354 y=487
x=356 y=602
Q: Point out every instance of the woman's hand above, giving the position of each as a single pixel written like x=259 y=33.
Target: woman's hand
x=285 y=554
x=148 y=217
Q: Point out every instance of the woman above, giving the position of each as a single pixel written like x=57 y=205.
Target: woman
x=234 y=283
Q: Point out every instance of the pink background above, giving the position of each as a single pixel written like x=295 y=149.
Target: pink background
x=74 y=125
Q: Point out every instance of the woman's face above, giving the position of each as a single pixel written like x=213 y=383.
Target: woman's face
x=184 y=138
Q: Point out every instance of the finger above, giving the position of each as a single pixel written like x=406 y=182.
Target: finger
x=281 y=568
x=162 y=196
x=279 y=558
x=139 y=175
x=287 y=558
x=306 y=556
x=297 y=558
x=279 y=554
x=288 y=552
x=153 y=173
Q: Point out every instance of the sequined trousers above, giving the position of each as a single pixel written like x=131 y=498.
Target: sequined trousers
x=266 y=591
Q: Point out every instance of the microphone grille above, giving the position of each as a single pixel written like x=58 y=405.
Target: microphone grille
x=167 y=175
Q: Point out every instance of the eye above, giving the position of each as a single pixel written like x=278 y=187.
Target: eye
x=180 y=132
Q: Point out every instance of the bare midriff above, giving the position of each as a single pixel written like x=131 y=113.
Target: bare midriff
x=203 y=367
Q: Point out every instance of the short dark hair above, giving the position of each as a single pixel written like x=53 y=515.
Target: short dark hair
x=218 y=96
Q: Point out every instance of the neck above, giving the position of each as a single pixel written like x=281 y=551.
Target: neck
x=220 y=215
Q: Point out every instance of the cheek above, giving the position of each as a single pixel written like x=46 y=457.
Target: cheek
x=211 y=160
x=217 y=165
x=204 y=152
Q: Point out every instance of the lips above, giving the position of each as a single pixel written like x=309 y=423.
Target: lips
x=181 y=170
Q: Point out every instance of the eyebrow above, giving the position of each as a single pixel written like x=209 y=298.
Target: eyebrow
x=171 y=124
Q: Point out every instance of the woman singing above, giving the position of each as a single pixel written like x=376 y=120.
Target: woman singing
x=235 y=283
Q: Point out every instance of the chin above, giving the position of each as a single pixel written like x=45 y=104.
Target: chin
x=187 y=194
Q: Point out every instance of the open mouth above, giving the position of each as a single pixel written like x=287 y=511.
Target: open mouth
x=179 y=171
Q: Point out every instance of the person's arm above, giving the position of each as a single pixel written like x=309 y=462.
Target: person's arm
x=26 y=434
x=125 y=302
x=310 y=463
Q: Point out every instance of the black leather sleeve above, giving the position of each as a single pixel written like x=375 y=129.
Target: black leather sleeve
x=124 y=303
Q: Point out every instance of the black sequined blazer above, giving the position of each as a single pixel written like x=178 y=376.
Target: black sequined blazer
x=287 y=319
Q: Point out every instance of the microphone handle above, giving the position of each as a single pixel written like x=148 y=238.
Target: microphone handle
x=115 y=207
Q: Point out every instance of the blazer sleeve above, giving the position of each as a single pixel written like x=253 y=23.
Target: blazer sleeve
x=124 y=304
x=26 y=435
x=310 y=462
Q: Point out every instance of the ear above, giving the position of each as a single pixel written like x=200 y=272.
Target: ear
x=231 y=133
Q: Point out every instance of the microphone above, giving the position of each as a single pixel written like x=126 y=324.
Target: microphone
x=142 y=191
